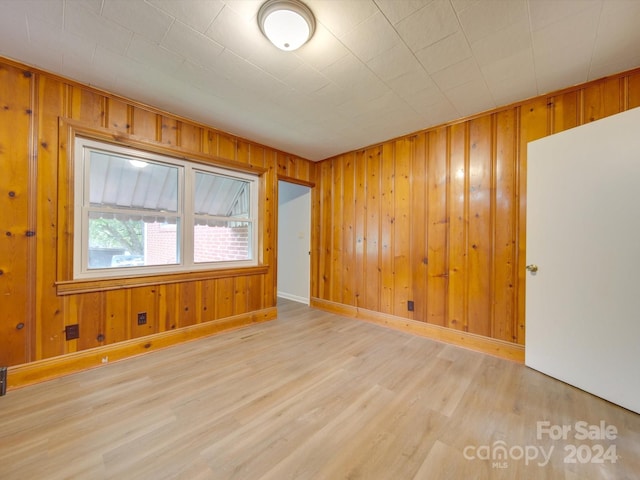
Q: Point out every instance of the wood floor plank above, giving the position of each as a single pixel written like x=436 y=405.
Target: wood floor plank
x=310 y=395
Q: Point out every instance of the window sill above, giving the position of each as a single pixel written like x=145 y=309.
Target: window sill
x=99 y=285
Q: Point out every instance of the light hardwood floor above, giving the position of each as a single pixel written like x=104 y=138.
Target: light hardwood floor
x=311 y=395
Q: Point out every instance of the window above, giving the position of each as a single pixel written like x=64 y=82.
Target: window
x=138 y=212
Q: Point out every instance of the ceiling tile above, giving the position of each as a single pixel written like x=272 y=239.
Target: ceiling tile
x=396 y=10
x=341 y=20
x=322 y=49
x=438 y=113
x=154 y=55
x=393 y=63
x=247 y=9
x=87 y=24
x=14 y=35
x=423 y=99
x=512 y=78
x=50 y=11
x=488 y=16
x=197 y=14
x=457 y=74
x=143 y=18
x=353 y=84
x=192 y=44
x=234 y=32
x=446 y=52
x=461 y=5
x=618 y=34
x=94 y=5
x=431 y=23
x=306 y=79
x=502 y=43
x=278 y=63
x=471 y=97
x=410 y=82
x=549 y=77
x=367 y=46
x=546 y=12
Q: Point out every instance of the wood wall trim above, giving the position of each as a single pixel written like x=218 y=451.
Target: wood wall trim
x=50 y=368
x=478 y=343
x=105 y=284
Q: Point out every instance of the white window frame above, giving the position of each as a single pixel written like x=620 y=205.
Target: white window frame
x=185 y=216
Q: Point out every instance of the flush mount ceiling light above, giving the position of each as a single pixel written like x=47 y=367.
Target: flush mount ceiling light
x=288 y=24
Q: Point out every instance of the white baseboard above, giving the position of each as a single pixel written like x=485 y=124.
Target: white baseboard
x=294 y=298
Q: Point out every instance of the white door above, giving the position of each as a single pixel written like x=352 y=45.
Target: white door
x=583 y=233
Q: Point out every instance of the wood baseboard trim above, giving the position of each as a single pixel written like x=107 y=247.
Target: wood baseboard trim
x=478 y=343
x=50 y=368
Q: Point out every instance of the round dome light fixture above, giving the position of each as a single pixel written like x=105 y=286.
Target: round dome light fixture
x=288 y=24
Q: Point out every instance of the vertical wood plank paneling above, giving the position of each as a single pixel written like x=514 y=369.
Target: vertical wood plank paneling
x=190 y=137
x=49 y=307
x=362 y=252
x=16 y=322
x=348 y=229
x=255 y=293
x=387 y=231
x=633 y=90
x=224 y=297
x=402 y=242
x=270 y=233
x=504 y=265
x=372 y=284
x=91 y=319
x=480 y=225
x=208 y=300
x=116 y=316
x=360 y=227
x=458 y=237
x=168 y=130
x=325 y=233
x=145 y=299
x=38 y=101
x=566 y=111
x=533 y=124
x=438 y=221
x=167 y=307
x=418 y=223
x=601 y=99
x=226 y=146
x=145 y=124
x=336 y=246
x=282 y=161
x=117 y=115
x=240 y=294
x=243 y=152
x=187 y=304
x=88 y=106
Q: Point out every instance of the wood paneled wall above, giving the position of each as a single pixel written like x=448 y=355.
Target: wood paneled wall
x=33 y=314
x=438 y=217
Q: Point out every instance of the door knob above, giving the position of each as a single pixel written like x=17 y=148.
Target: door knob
x=532 y=268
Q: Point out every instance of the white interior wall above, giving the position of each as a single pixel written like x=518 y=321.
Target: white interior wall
x=294 y=242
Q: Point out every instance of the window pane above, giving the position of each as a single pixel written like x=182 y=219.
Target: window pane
x=221 y=196
x=120 y=240
x=128 y=182
x=220 y=241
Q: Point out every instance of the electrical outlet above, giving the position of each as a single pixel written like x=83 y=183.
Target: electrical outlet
x=3 y=381
x=72 y=331
x=142 y=318
x=410 y=305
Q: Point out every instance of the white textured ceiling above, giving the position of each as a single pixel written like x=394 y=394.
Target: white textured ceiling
x=374 y=70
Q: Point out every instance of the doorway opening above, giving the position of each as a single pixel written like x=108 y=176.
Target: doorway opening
x=294 y=241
